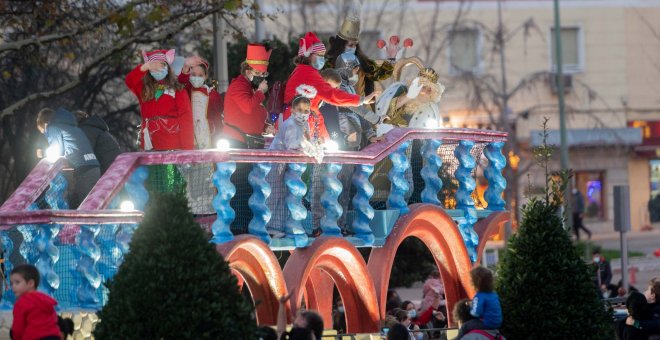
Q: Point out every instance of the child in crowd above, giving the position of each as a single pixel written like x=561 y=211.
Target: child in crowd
x=486 y=304
x=469 y=326
x=34 y=312
x=61 y=129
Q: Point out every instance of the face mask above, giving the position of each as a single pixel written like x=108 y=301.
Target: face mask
x=412 y=313
x=159 y=75
x=318 y=62
x=340 y=309
x=350 y=50
x=196 y=81
x=596 y=259
x=353 y=79
x=301 y=118
x=256 y=80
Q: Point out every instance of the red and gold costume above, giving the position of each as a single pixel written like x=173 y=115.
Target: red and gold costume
x=166 y=118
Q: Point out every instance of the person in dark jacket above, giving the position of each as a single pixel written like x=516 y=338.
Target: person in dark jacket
x=63 y=133
x=105 y=146
x=577 y=204
x=603 y=271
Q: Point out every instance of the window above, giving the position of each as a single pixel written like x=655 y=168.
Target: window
x=464 y=51
x=572 y=53
x=591 y=185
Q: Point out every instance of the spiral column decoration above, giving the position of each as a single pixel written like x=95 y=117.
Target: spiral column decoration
x=90 y=279
x=364 y=212
x=432 y=164
x=466 y=185
x=297 y=211
x=332 y=188
x=397 y=176
x=260 y=192
x=493 y=173
x=221 y=228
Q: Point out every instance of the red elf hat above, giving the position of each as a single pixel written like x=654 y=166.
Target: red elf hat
x=162 y=55
x=310 y=44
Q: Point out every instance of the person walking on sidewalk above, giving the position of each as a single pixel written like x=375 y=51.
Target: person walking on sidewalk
x=577 y=203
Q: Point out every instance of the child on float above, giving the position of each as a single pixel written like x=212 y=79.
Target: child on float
x=293 y=134
x=166 y=114
x=486 y=306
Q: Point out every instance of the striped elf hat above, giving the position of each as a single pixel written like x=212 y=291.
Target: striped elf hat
x=310 y=44
x=161 y=55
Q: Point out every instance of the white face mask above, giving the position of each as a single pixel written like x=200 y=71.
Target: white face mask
x=340 y=309
x=196 y=81
x=353 y=79
x=301 y=118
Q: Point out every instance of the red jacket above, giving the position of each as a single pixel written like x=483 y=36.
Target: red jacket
x=306 y=74
x=34 y=317
x=214 y=108
x=170 y=117
x=244 y=109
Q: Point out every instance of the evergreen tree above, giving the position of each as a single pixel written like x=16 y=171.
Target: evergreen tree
x=173 y=284
x=546 y=289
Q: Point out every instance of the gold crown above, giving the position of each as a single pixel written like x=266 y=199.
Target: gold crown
x=350 y=29
x=429 y=74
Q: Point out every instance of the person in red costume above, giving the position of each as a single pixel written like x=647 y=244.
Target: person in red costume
x=34 y=312
x=244 y=122
x=164 y=104
x=205 y=100
x=311 y=59
x=245 y=114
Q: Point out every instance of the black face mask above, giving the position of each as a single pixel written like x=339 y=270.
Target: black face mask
x=256 y=80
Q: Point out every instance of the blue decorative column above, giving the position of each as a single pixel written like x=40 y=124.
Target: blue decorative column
x=48 y=254
x=89 y=276
x=260 y=192
x=297 y=212
x=364 y=213
x=55 y=194
x=7 y=249
x=332 y=188
x=466 y=185
x=398 y=183
x=493 y=173
x=225 y=214
x=135 y=188
x=432 y=164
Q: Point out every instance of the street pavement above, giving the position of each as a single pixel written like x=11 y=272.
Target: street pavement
x=644 y=268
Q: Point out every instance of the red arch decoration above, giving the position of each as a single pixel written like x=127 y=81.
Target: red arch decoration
x=488 y=227
x=254 y=264
x=308 y=269
x=439 y=233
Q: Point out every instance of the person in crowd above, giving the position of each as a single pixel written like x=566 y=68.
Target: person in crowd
x=339 y=317
x=393 y=300
x=34 y=312
x=244 y=122
x=66 y=327
x=486 y=303
x=63 y=134
x=577 y=206
x=306 y=319
x=431 y=290
x=422 y=317
x=398 y=331
x=267 y=333
x=469 y=326
x=105 y=145
x=403 y=317
x=347 y=41
x=603 y=272
x=166 y=114
x=310 y=60
x=638 y=310
x=206 y=102
x=649 y=324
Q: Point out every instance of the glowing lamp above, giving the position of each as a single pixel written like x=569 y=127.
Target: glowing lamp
x=126 y=206
x=53 y=153
x=331 y=146
x=222 y=145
